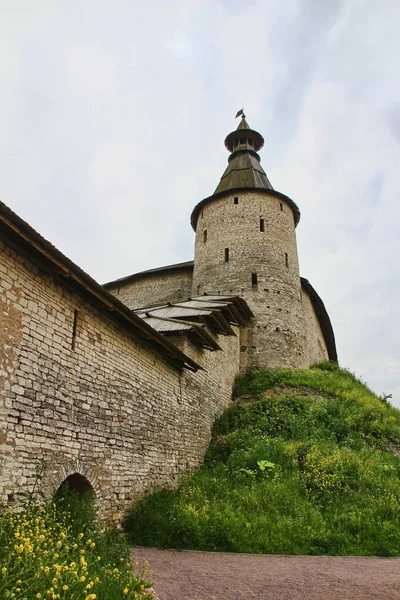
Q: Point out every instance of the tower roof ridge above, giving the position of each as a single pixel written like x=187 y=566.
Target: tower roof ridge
x=243 y=124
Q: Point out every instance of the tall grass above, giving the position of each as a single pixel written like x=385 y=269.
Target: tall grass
x=303 y=470
x=56 y=550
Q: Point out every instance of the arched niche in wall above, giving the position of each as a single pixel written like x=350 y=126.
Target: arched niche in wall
x=77 y=483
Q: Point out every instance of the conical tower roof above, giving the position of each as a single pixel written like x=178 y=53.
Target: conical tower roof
x=244 y=169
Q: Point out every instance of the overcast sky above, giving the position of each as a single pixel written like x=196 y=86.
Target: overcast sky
x=113 y=116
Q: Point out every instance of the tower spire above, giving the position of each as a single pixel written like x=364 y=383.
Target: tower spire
x=244 y=169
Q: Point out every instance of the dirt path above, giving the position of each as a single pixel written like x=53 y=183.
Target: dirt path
x=213 y=576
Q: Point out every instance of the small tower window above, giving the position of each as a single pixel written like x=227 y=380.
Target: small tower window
x=204 y=236
x=74 y=328
x=236 y=200
x=242 y=140
x=254 y=279
x=286 y=259
x=250 y=142
x=226 y=254
x=281 y=206
x=262 y=225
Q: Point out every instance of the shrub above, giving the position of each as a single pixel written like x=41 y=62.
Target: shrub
x=44 y=555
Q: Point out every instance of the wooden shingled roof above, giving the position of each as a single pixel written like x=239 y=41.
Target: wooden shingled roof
x=244 y=171
x=200 y=318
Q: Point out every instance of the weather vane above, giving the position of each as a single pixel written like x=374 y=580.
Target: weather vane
x=240 y=112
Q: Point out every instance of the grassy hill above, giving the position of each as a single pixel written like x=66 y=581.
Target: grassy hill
x=300 y=465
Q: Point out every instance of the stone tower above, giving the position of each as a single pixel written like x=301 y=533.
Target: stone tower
x=246 y=245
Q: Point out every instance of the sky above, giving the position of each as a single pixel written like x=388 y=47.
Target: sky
x=113 y=116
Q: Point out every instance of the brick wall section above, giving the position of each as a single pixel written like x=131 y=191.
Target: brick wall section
x=110 y=408
x=278 y=336
x=155 y=288
x=316 y=347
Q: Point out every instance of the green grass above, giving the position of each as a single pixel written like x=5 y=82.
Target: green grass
x=301 y=469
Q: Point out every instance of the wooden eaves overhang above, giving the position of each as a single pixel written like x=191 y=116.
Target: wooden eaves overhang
x=199 y=318
x=19 y=235
x=196 y=332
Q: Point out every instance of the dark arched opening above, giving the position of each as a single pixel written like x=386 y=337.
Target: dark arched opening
x=75 y=483
x=74 y=502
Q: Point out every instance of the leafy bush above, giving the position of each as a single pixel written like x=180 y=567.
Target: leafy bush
x=55 y=550
x=304 y=470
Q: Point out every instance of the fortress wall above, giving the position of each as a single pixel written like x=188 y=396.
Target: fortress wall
x=104 y=405
x=227 y=359
x=278 y=336
x=316 y=346
x=155 y=288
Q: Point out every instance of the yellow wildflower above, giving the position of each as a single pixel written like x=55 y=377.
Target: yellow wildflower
x=126 y=591
x=65 y=587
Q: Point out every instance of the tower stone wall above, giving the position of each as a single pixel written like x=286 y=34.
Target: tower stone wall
x=246 y=244
x=159 y=286
x=316 y=348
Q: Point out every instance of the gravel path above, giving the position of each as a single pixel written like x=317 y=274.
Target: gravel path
x=216 y=576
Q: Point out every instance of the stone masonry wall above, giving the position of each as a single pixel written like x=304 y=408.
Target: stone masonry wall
x=155 y=288
x=316 y=347
x=278 y=336
x=92 y=398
